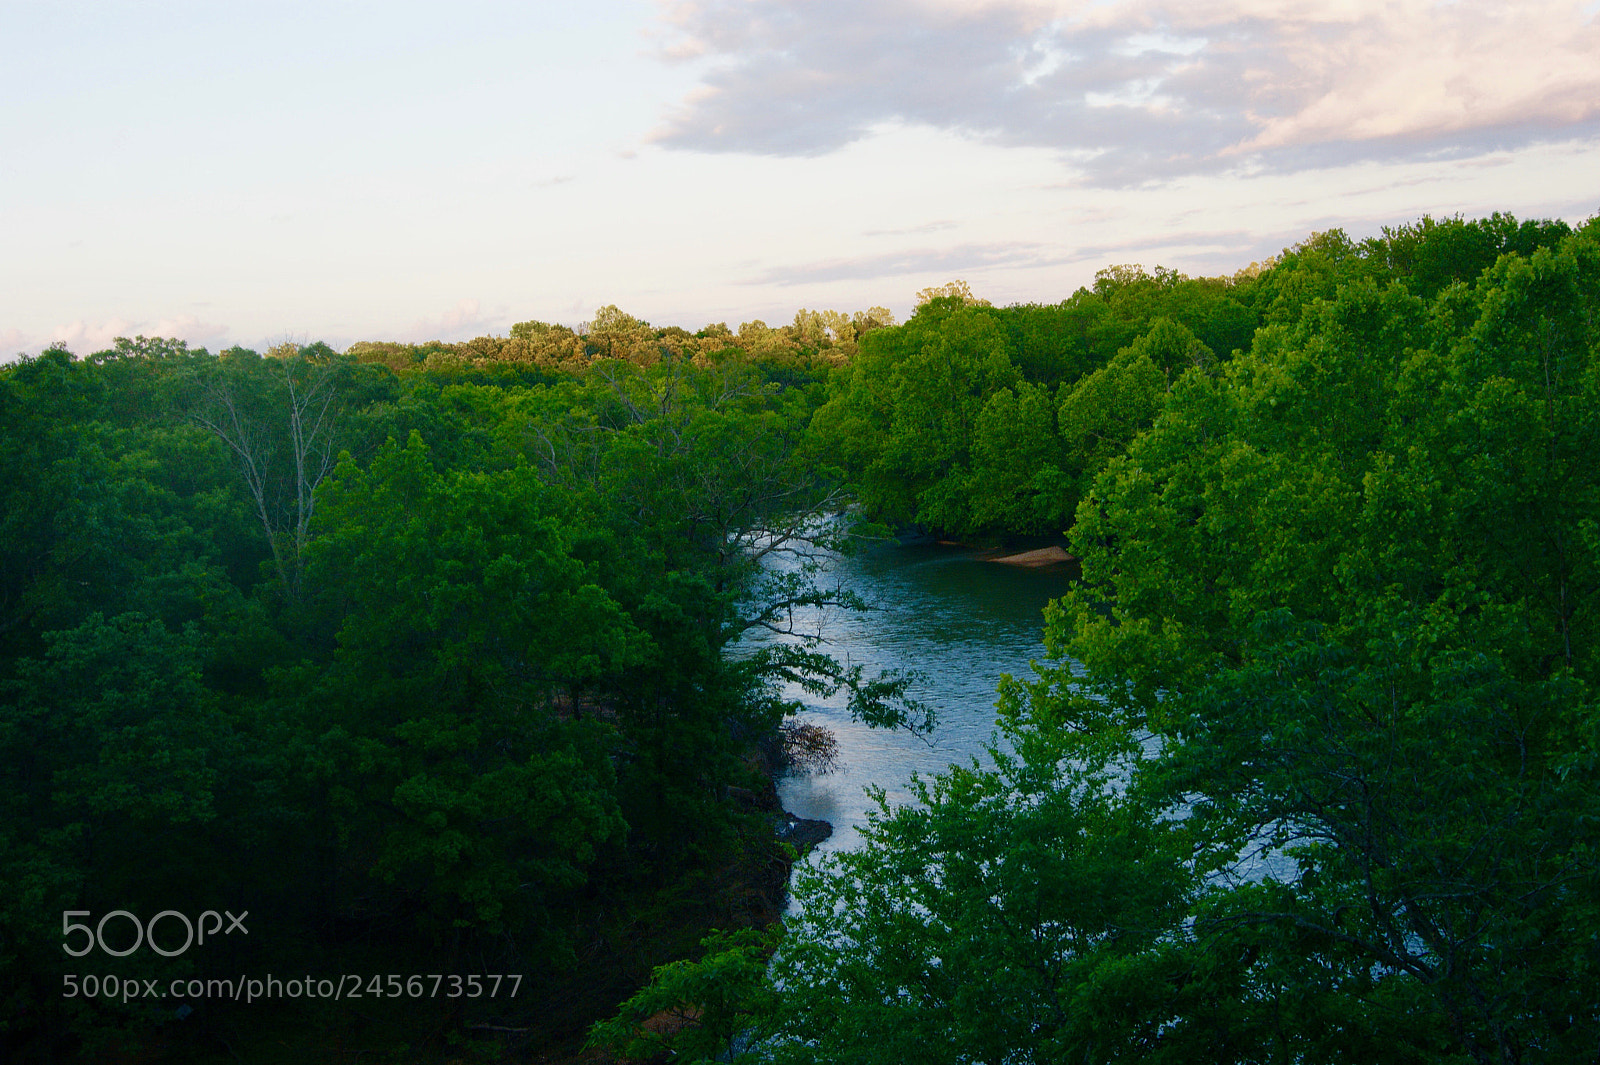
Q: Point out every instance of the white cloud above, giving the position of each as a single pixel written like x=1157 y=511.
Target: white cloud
x=1421 y=71
x=85 y=337
x=13 y=342
x=462 y=322
x=1143 y=89
x=911 y=263
x=187 y=327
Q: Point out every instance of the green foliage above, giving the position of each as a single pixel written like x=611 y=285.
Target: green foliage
x=462 y=625
x=905 y=410
x=1351 y=587
x=111 y=754
x=1432 y=254
x=1016 y=457
x=971 y=926
x=1105 y=409
x=469 y=698
x=282 y=420
x=1313 y=774
x=693 y=1010
x=906 y=417
x=952 y=421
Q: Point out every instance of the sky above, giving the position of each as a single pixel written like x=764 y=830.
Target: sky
x=231 y=173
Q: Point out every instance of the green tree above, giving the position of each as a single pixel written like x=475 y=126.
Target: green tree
x=1017 y=482
x=281 y=417
x=465 y=631
x=1345 y=582
x=1104 y=410
x=113 y=758
x=905 y=411
x=1312 y=775
x=974 y=925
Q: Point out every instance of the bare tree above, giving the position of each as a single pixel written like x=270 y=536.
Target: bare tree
x=279 y=416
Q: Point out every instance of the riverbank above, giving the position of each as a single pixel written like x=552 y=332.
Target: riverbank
x=750 y=892
x=1039 y=558
x=1023 y=551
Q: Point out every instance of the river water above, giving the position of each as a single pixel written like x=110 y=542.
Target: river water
x=960 y=620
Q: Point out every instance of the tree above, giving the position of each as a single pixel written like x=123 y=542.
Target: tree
x=973 y=925
x=280 y=416
x=951 y=290
x=1312 y=774
x=1104 y=410
x=1017 y=483
x=903 y=414
x=113 y=758
x=465 y=631
x=1345 y=585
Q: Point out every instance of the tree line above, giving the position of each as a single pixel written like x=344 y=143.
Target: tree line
x=1311 y=774
x=428 y=671
x=437 y=657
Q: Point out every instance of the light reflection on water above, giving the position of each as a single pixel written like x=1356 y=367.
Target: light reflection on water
x=962 y=622
x=959 y=620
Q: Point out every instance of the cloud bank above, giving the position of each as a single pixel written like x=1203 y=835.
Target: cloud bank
x=1142 y=90
x=461 y=322
x=85 y=337
x=957 y=260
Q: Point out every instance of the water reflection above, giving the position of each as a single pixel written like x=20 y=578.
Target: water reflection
x=947 y=613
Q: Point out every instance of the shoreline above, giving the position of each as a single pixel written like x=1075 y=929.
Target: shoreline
x=1038 y=558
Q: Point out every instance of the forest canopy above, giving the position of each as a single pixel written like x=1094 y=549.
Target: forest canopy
x=1312 y=774
x=438 y=657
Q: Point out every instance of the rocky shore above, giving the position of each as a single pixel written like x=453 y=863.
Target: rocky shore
x=803 y=833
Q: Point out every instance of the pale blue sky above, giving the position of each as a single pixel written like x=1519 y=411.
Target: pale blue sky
x=244 y=173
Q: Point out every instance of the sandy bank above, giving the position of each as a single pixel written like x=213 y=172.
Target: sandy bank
x=1054 y=555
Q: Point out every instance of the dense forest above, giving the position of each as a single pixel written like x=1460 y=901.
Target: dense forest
x=438 y=659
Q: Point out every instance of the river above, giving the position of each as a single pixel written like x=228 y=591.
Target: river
x=958 y=619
